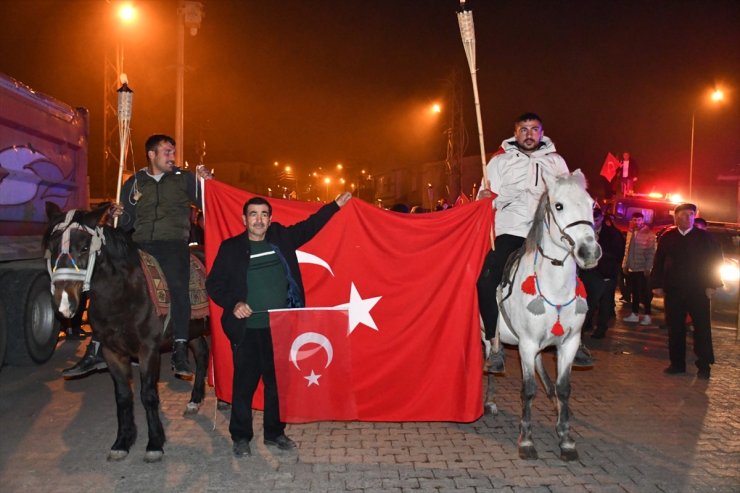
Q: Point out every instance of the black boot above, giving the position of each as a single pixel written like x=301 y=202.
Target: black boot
x=496 y=360
x=583 y=357
x=180 y=360
x=90 y=362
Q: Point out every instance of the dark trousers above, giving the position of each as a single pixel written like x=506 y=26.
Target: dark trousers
x=490 y=277
x=600 y=299
x=640 y=292
x=174 y=258
x=695 y=303
x=253 y=359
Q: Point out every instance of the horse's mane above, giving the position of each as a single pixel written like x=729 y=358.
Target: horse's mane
x=538 y=225
x=119 y=248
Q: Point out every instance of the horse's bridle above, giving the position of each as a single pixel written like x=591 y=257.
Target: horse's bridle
x=74 y=273
x=563 y=235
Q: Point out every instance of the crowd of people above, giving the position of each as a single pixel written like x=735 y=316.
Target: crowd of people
x=257 y=270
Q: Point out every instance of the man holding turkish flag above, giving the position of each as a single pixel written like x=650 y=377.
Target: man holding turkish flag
x=408 y=283
x=254 y=272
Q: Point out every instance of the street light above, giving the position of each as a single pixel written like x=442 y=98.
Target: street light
x=717 y=96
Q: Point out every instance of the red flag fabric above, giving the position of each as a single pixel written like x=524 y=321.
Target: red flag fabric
x=610 y=166
x=409 y=285
x=313 y=364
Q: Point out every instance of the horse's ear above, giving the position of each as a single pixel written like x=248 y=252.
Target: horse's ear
x=52 y=211
x=578 y=175
x=97 y=217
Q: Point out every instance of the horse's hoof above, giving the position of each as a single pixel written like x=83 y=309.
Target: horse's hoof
x=153 y=456
x=490 y=408
x=116 y=455
x=528 y=452
x=568 y=454
x=192 y=408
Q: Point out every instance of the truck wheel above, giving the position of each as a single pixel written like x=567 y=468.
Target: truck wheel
x=33 y=328
x=3 y=335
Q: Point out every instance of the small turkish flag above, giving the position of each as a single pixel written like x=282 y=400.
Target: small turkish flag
x=313 y=364
x=610 y=166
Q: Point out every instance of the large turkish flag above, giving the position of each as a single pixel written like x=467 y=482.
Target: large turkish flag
x=408 y=284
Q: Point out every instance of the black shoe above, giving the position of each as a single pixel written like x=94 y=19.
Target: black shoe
x=672 y=370
x=241 y=448
x=180 y=360
x=583 y=357
x=90 y=362
x=282 y=442
x=703 y=374
x=223 y=405
x=598 y=334
x=497 y=362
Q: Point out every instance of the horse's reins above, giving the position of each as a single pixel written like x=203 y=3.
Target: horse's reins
x=564 y=236
x=74 y=273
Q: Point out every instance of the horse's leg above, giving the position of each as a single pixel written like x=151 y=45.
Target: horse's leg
x=199 y=346
x=149 y=362
x=527 y=353
x=544 y=376
x=119 y=367
x=566 y=353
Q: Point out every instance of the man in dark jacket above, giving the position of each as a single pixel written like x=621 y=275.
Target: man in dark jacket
x=155 y=205
x=601 y=281
x=685 y=272
x=254 y=272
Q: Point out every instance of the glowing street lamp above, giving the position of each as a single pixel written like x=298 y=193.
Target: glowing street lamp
x=127 y=13
x=717 y=96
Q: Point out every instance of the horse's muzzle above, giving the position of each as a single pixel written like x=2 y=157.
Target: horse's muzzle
x=67 y=298
x=588 y=255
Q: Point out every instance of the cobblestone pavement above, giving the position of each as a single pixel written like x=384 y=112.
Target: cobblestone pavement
x=637 y=430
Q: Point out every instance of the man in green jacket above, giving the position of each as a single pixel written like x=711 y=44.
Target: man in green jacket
x=155 y=205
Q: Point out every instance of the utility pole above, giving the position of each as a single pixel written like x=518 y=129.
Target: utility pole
x=190 y=14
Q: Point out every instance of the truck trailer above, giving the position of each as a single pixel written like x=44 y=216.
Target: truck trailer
x=43 y=158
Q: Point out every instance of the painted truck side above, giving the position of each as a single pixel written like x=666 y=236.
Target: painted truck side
x=43 y=158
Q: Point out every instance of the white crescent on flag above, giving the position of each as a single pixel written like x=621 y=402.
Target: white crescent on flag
x=308 y=258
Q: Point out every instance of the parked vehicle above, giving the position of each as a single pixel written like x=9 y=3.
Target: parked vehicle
x=43 y=158
x=657 y=211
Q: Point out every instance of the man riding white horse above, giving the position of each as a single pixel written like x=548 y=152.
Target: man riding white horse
x=515 y=176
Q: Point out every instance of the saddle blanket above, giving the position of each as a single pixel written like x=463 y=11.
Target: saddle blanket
x=160 y=294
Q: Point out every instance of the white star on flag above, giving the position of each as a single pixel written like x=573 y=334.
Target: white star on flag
x=313 y=379
x=359 y=310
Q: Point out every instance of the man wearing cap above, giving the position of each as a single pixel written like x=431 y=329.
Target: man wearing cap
x=685 y=273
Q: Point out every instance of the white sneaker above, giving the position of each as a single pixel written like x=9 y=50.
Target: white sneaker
x=646 y=320
x=631 y=318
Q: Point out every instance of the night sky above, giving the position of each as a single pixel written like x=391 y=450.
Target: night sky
x=316 y=82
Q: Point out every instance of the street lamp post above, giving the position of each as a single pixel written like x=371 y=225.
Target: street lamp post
x=716 y=97
x=190 y=15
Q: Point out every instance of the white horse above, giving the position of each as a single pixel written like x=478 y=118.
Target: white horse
x=542 y=303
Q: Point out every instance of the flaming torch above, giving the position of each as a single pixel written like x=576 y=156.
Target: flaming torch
x=467 y=32
x=125 y=100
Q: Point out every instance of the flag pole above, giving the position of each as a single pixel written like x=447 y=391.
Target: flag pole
x=125 y=100
x=467 y=32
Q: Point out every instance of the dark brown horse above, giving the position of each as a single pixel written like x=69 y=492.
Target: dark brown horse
x=85 y=254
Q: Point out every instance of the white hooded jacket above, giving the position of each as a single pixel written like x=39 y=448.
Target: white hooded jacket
x=516 y=179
